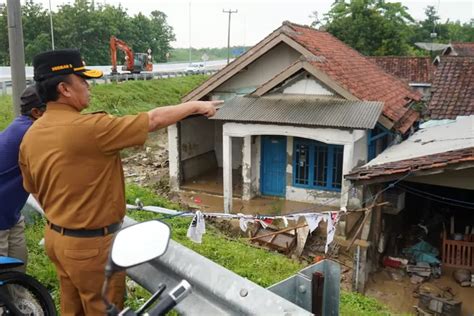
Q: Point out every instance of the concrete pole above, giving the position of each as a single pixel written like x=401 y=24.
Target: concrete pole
x=227 y=172
x=247 y=168
x=228 y=33
x=17 y=53
x=173 y=156
x=51 y=25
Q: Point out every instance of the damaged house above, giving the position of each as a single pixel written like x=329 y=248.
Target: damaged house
x=301 y=109
x=427 y=179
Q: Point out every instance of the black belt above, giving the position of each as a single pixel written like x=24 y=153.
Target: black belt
x=103 y=231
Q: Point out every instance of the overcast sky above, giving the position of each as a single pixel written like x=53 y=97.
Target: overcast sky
x=255 y=18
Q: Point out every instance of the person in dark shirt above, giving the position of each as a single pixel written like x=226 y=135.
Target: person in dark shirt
x=12 y=194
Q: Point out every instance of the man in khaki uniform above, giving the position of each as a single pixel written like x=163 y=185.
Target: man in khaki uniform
x=71 y=163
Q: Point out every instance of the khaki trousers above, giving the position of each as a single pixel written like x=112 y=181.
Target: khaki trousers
x=13 y=244
x=80 y=264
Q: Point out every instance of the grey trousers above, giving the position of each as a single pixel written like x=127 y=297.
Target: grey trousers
x=13 y=243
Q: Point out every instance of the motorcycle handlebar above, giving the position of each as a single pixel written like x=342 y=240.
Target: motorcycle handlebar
x=172 y=298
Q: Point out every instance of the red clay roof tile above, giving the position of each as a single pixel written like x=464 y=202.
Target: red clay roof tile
x=410 y=69
x=356 y=73
x=460 y=49
x=434 y=161
x=453 y=88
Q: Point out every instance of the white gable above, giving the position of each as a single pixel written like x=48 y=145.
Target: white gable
x=308 y=86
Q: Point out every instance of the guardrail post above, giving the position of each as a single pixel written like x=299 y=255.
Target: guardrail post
x=4 y=87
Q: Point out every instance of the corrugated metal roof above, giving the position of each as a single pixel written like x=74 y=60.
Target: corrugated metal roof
x=302 y=110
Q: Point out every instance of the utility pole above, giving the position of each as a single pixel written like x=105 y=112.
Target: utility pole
x=17 y=52
x=228 y=32
x=51 y=25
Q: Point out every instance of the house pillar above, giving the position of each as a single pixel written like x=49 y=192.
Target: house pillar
x=247 y=168
x=347 y=165
x=173 y=153
x=227 y=171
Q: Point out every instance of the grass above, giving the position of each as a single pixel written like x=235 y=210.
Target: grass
x=125 y=98
x=133 y=97
x=6 y=111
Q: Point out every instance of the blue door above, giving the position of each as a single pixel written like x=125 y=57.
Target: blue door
x=273 y=168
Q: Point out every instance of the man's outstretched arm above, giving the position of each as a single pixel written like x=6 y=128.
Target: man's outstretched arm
x=167 y=115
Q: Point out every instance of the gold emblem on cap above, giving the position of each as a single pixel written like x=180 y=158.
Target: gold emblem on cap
x=61 y=67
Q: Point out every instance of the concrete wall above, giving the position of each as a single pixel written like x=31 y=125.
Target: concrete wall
x=355 y=197
x=347 y=138
x=262 y=70
x=197 y=137
x=308 y=86
x=196 y=147
x=424 y=89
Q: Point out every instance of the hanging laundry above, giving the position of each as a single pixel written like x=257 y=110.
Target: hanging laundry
x=197 y=228
x=263 y=223
x=332 y=220
x=243 y=222
x=313 y=220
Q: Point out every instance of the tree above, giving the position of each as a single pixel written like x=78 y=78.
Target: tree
x=373 y=27
x=88 y=27
x=4 y=55
x=36 y=30
x=430 y=29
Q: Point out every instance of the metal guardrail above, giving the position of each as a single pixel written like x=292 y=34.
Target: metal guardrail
x=298 y=288
x=218 y=291
x=5 y=85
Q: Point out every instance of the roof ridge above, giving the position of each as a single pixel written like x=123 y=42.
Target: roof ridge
x=394 y=56
x=289 y=23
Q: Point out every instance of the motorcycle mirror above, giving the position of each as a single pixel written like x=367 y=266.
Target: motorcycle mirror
x=140 y=243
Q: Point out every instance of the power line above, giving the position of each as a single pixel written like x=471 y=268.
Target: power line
x=434 y=195
x=439 y=200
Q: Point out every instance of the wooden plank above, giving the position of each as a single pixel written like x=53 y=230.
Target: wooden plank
x=277 y=232
x=301 y=237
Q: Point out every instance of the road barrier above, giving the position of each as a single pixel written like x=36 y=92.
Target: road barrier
x=6 y=85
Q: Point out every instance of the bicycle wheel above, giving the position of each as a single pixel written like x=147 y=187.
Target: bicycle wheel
x=23 y=295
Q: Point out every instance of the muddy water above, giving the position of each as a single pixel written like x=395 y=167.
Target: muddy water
x=259 y=205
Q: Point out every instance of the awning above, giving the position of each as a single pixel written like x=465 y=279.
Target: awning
x=301 y=111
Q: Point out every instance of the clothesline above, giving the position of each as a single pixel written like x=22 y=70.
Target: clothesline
x=197 y=226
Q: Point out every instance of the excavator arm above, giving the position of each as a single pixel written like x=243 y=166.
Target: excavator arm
x=115 y=44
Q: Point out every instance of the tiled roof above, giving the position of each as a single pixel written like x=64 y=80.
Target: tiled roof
x=358 y=74
x=301 y=110
x=460 y=49
x=400 y=168
x=410 y=69
x=453 y=88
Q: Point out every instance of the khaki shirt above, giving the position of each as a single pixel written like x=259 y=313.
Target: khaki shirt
x=71 y=162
